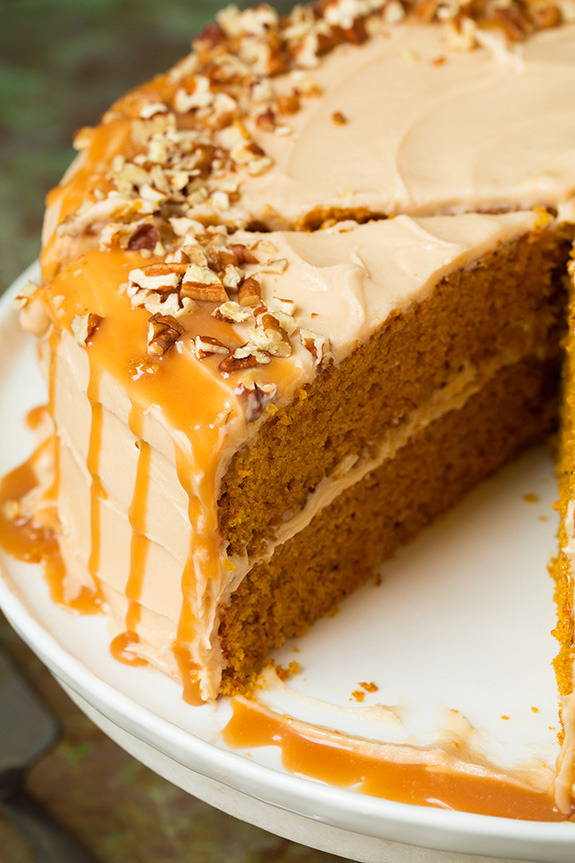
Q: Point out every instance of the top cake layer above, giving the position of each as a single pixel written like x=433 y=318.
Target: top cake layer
x=401 y=123
x=440 y=132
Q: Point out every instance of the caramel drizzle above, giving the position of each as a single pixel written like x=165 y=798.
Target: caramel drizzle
x=92 y=283
x=36 y=416
x=97 y=492
x=21 y=536
x=140 y=543
x=54 y=342
x=337 y=760
x=33 y=539
x=86 y=600
x=187 y=623
x=50 y=556
x=124 y=647
x=201 y=568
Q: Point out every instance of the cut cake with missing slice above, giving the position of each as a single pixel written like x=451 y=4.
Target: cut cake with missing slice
x=299 y=295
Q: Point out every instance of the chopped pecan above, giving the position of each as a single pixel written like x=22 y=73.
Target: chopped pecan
x=425 y=9
x=207 y=346
x=288 y=104
x=177 y=257
x=255 y=397
x=268 y=58
x=393 y=12
x=196 y=93
x=285 y=305
x=286 y=321
x=262 y=356
x=84 y=327
x=250 y=292
x=327 y=41
x=243 y=254
x=201 y=283
x=232 y=312
x=25 y=294
x=545 y=15
x=258 y=165
x=228 y=258
x=220 y=200
x=232 y=277
x=211 y=35
x=214 y=293
x=158 y=277
x=266 y=120
x=270 y=336
x=197 y=192
x=262 y=90
x=276 y=266
x=151 y=108
x=254 y=149
x=195 y=255
x=144 y=237
x=163 y=332
x=221 y=257
x=513 y=21
x=317 y=345
x=259 y=310
x=163 y=302
x=231 y=363
x=356 y=34
x=461 y=34
x=203 y=158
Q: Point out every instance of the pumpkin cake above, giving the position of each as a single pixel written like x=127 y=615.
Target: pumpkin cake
x=563 y=571
x=299 y=294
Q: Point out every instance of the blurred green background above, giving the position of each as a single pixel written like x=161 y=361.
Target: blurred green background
x=62 y=62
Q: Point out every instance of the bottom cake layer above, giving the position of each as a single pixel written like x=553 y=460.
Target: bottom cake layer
x=345 y=543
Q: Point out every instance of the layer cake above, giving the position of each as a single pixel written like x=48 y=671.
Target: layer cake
x=300 y=294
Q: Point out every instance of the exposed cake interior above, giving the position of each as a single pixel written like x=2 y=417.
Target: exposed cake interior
x=562 y=569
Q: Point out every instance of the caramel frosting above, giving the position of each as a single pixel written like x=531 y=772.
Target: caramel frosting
x=440 y=132
x=400 y=124
x=374 y=752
